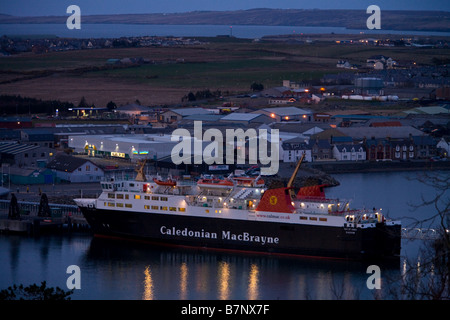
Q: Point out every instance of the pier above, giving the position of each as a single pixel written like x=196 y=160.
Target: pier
x=29 y=221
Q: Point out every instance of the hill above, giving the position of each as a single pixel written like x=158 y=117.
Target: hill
x=351 y=19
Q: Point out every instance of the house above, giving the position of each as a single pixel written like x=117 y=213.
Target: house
x=444 y=145
x=379 y=62
x=321 y=149
x=74 y=169
x=343 y=64
x=425 y=146
x=349 y=152
x=390 y=149
x=293 y=149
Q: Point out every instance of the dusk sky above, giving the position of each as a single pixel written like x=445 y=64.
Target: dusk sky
x=58 y=7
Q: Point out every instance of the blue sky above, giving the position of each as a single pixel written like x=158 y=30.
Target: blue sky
x=58 y=7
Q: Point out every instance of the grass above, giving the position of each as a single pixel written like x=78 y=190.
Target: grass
x=225 y=65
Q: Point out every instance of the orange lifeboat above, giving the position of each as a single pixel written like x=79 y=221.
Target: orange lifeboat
x=167 y=183
x=249 y=181
x=215 y=183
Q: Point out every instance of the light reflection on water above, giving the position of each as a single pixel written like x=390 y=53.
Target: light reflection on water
x=112 y=269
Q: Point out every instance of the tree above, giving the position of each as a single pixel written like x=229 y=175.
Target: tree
x=111 y=106
x=83 y=103
x=191 y=96
x=34 y=292
x=428 y=277
x=257 y=86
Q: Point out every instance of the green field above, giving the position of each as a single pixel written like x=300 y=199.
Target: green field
x=174 y=71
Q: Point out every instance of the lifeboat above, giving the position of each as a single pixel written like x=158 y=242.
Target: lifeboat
x=167 y=183
x=215 y=183
x=249 y=181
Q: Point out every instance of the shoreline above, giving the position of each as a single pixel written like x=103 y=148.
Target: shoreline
x=331 y=167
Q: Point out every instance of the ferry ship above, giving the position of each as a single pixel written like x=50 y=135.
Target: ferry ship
x=240 y=213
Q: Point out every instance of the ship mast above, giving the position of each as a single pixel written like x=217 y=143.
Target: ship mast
x=140 y=171
x=294 y=175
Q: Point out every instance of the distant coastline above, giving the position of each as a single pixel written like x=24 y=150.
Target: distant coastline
x=426 y=21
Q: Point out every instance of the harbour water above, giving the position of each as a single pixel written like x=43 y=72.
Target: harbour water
x=116 y=269
x=132 y=30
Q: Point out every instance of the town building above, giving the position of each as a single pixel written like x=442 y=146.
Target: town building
x=75 y=170
x=246 y=118
x=174 y=115
x=349 y=152
x=287 y=114
x=321 y=150
x=24 y=155
x=293 y=149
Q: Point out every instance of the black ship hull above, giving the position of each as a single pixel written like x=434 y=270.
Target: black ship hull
x=380 y=242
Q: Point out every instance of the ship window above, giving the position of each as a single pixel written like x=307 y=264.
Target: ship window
x=127 y=196
x=146 y=207
x=154 y=207
x=163 y=198
x=110 y=204
x=119 y=205
x=207 y=211
x=172 y=208
x=111 y=195
x=303 y=218
x=119 y=196
x=163 y=208
x=137 y=196
x=131 y=184
x=182 y=209
x=147 y=197
x=322 y=219
x=155 y=198
x=128 y=205
x=313 y=218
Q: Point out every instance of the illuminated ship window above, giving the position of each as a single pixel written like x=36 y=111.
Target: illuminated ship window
x=119 y=196
x=111 y=195
x=303 y=218
x=155 y=207
x=323 y=219
x=137 y=196
x=146 y=207
x=110 y=204
x=163 y=198
x=313 y=218
x=128 y=205
x=172 y=209
x=182 y=209
x=163 y=208
x=119 y=205
x=155 y=198
x=127 y=196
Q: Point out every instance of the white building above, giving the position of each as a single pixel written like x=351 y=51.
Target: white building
x=293 y=149
x=349 y=152
x=75 y=170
